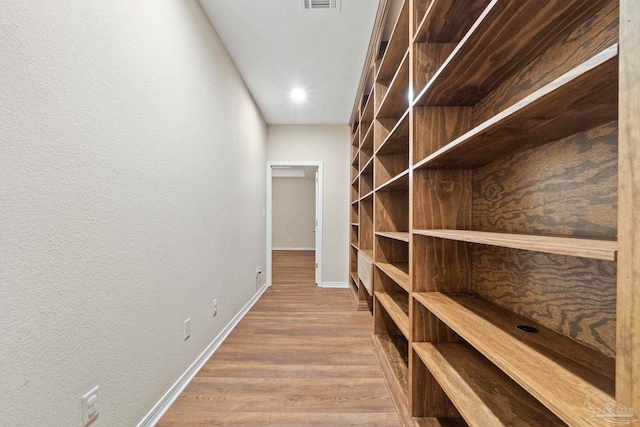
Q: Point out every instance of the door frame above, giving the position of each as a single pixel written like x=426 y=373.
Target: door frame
x=318 y=239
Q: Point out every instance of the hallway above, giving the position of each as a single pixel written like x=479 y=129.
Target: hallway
x=300 y=357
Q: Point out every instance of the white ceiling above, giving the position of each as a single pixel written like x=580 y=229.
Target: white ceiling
x=277 y=46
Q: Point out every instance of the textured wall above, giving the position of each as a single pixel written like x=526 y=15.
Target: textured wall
x=329 y=144
x=132 y=183
x=294 y=213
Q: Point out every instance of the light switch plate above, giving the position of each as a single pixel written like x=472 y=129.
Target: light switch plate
x=187 y=328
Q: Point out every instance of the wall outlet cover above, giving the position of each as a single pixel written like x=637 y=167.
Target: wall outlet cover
x=187 y=328
x=90 y=406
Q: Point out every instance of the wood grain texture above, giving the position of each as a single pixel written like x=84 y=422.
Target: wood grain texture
x=392 y=211
x=399 y=182
x=396 y=98
x=581 y=99
x=591 y=37
x=628 y=355
x=365 y=272
x=397 y=47
x=427 y=59
x=391 y=250
x=573 y=195
x=301 y=356
x=447 y=21
x=366 y=224
x=398 y=272
x=573 y=296
x=440 y=265
x=442 y=199
x=366 y=183
x=483 y=394
x=506 y=37
x=579 y=247
x=397 y=307
x=388 y=166
x=556 y=370
x=397 y=235
x=393 y=136
x=435 y=127
x=429 y=399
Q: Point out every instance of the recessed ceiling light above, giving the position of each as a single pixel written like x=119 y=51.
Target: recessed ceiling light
x=298 y=95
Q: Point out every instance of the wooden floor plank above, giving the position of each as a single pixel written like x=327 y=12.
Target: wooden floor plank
x=300 y=357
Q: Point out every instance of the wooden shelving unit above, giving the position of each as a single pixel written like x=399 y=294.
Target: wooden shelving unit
x=488 y=210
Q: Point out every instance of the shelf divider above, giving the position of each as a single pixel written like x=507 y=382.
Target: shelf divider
x=559 y=372
x=482 y=393
x=579 y=100
x=604 y=249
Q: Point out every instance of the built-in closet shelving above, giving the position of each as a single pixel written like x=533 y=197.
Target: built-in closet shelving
x=485 y=200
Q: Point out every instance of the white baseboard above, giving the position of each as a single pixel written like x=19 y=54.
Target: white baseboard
x=154 y=415
x=339 y=285
x=293 y=249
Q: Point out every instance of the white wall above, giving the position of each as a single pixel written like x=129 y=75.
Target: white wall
x=294 y=213
x=329 y=144
x=132 y=183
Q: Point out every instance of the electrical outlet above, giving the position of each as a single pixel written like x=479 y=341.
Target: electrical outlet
x=215 y=307
x=187 y=328
x=90 y=408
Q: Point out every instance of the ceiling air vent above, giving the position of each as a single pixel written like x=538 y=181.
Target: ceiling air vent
x=320 y=4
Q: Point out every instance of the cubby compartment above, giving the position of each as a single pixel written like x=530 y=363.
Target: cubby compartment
x=394 y=298
x=354 y=212
x=366 y=184
x=392 y=212
x=354 y=191
x=366 y=226
x=391 y=164
x=353 y=235
x=396 y=49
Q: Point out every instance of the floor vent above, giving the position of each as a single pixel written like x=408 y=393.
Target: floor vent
x=320 y=4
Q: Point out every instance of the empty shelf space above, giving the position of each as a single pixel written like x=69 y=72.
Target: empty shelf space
x=507 y=36
x=571 y=246
x=482 y=393
x=556 y=370
x=397 y=307
x=393 y=361
x=396 y=99
x=369 y=195
x=367 y=139
x=355 y=224
x=354 y=276
x=579 y=100
x=397 y=46
x=447 y=21
x=398 y=183
x=367 y=112
x=368 y=253
x=398 y=272
x=368 y=167
x=397 y=142
x=397 y=235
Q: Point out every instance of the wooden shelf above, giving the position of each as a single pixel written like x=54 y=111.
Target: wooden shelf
x=354 y=245
x=398 y=183
x=570 y=246
x=354 y=276
x=397 y=142
x=367 y=111
x=393 y=362
x=482 y=393
x=368 y=253
x=397 y=235
x=367 y=196
x=398 y=272
x=507 y=36
x=368 y=167
x=355 y=224
x=397 y=46
x=581 y=99
x=556 y=370
x=447 y=21
x=396 y=100
x=397 y=307
x=367 y=140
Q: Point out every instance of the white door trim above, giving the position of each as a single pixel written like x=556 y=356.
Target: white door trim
x=270 y=218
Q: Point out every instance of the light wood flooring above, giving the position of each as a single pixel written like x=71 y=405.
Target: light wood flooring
x=300 y=357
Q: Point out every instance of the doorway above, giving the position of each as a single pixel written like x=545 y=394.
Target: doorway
x=298 y=226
